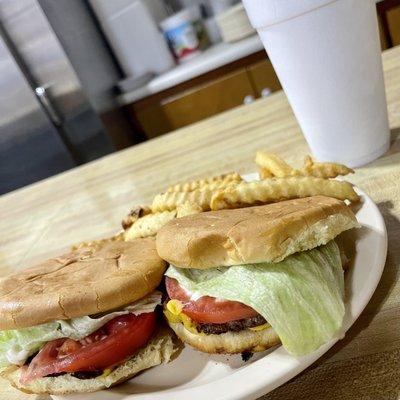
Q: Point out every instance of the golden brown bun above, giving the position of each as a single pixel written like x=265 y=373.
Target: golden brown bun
x=79 y=283
x=229 y=342
x=158 y=350
x=267 y=233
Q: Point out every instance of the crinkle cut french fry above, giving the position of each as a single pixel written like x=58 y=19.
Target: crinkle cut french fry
x=265 y=173
x=323 y=169
x=96 y=244
x=188 y=209
x=171 y=200
x=211 y=183
x=277 y=189
x=218 y=185
x=136 y=213
x=148 y=225
x=274 y=164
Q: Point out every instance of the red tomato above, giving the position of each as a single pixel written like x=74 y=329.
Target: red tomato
x=115 y=341
x=208 y=309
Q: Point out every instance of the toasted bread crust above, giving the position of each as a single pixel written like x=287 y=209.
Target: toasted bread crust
x=83 y=282
x=159 y=350
x=229 y=342
x=266 y=233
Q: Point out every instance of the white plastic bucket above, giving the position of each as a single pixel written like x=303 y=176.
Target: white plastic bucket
x=181 y=34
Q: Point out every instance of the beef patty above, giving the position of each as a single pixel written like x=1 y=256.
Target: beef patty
x=232 y=326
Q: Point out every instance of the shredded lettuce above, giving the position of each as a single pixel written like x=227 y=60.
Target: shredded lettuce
x=300 y=297
x=18 y=344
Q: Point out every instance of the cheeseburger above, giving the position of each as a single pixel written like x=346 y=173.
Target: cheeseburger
x=244 y=280
x=83 y=321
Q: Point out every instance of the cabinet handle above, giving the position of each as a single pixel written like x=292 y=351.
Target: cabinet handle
x=248 y=99
x=41 y=94
x=266 y=92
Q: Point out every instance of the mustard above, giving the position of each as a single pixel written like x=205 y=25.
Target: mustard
x=260 y=327
x=106 y=372
x=175 y=307
x=173 y=313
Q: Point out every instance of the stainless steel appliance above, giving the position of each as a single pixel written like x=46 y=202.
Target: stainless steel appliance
x=47 y=124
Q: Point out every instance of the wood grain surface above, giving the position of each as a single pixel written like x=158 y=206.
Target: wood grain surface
x=89 y=202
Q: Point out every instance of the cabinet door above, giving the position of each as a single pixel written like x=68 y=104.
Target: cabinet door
x=393 y=19
x=165 y=114
x=207 y=100
x=263 y=77
x=382 y=35
x=150 y=118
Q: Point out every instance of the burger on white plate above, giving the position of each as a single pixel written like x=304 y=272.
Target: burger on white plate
x=84 y=321
x=247 y=279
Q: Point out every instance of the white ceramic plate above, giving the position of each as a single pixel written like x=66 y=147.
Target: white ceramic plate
x=194 y=375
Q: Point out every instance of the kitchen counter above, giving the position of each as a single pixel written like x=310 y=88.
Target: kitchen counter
x=89 y=202
x=212 y=58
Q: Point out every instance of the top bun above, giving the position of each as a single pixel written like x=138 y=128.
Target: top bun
x=267 y=233
x=83 y=282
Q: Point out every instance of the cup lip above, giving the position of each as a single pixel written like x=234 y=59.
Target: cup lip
x=274 y=12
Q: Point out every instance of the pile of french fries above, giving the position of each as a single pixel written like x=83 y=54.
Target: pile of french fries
x=278 y=181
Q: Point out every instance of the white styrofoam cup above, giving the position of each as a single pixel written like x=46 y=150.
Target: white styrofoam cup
x=327 y=56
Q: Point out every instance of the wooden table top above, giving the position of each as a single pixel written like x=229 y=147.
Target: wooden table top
x=89 y=202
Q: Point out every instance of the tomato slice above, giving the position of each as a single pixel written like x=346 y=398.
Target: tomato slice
x=208 y=309
x=115 y=341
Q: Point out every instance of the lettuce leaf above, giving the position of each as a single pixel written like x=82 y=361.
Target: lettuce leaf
x=80 y=327
x=18 y=344
x=300 y=297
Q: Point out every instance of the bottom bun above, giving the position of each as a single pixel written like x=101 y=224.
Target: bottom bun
x=159 y=350
x=229 y=342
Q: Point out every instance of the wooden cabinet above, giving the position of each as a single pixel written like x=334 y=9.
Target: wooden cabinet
x=150 y=118
x=208 y=99
x=263 y=77
x=382 y=35
x=389 y=22
x=393 y=19
x=193 y=104
x=205 y=96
